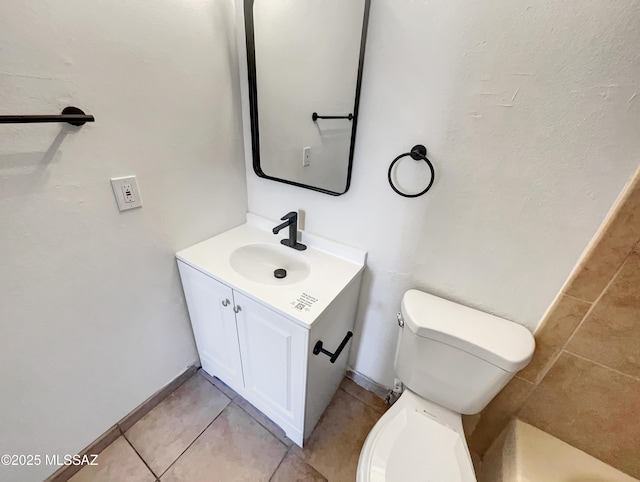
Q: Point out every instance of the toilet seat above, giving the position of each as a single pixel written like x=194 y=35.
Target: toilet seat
x=416 y=440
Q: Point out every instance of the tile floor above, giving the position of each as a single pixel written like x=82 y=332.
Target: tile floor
x=204 y=431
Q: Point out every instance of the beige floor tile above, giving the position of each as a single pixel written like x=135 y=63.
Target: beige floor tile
x=560 y=323
x=219 y=384
x=611 y=333
x=294 y=469
x=616 y=239
x=370 y=398
x=263 y=420
x=116 y=463
x=167 y=430
x=591 y=408
x=334 y=446
x=234 y=447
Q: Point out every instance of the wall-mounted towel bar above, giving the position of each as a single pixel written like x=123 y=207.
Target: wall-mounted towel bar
x=72 y=115
x=315 y=116
x=317 y=349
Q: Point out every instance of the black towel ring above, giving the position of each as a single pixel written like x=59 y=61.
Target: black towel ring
x=419 y=153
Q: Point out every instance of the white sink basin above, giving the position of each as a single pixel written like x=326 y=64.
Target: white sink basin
x=245 y=258
x=258 y=261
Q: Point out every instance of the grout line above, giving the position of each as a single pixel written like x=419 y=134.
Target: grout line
x=211 y=379
x=562 y=293
x=550 y=364
x=524 y=380
x=597 y=301
x=543 y=373
x=603 y=366
x=156 y=399
x=194 y=440
x=366 y=404
x=356 y=398
x=280 y=463
x=263 y=425
x=140 y=456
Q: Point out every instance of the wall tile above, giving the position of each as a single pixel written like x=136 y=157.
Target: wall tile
x=560 y=323
x=611 y=333
x=590 y=407
x=616 y=239
x=495 y=417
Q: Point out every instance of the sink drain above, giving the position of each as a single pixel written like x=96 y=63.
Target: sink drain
x=280 y=273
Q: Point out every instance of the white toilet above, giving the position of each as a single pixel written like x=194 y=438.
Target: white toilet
x=452 y=360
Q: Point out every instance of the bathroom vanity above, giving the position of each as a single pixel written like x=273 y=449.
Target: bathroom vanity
x=257 y=333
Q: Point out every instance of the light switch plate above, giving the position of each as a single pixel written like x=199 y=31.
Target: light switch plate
x=125 y=189
x=306 y=156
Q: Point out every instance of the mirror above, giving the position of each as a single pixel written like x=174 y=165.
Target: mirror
x=304 y=60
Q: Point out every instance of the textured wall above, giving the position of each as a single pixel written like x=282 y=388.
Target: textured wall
x=583 y=383
x=92 y=317
x=530 y=113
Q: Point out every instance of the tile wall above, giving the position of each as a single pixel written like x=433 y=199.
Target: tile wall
x=583 y=384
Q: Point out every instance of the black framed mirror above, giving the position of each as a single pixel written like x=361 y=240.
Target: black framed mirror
x=305 y=61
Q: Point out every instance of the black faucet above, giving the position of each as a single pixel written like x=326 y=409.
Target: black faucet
x=290 y=220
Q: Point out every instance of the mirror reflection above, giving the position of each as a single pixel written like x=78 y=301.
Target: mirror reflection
x=305 y=66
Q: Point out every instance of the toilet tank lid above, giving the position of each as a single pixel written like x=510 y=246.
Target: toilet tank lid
x=500 y=342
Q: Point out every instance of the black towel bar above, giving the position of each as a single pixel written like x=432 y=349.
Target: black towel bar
x=315 y=116
x=72 y=115
x=317 y=349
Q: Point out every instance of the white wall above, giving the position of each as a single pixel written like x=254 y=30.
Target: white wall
x=92 y=314
x=301 y=70
x=531 y=116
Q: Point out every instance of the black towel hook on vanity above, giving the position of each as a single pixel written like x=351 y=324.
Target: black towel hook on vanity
x=71 y=115
x=418 y=153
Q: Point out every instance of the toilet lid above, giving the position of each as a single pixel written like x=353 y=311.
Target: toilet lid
x=414 y=447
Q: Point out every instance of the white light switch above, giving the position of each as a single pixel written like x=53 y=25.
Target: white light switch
x=125 y=189
x=306 y=156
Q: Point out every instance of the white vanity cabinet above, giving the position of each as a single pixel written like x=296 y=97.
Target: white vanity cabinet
x=273 y=352
x=213 y=320
x=259 y=336
x=254 y=350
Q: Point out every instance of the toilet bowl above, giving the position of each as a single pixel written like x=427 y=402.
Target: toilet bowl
x=416 y=440
x=452 y=360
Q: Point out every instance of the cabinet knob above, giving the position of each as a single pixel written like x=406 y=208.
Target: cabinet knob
x=225 y=302
x=237 y=308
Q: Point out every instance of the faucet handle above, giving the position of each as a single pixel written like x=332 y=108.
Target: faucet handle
x=291 y=215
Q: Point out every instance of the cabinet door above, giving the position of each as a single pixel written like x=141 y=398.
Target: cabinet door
x=274 y=364
x=214 y=325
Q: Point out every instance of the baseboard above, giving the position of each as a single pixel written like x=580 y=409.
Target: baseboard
x=65 y=472
x=145 y=407
x=368 y=384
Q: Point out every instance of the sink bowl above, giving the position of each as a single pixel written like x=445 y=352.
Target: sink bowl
x=257 y=262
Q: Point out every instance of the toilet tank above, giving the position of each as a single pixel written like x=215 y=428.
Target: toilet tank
x=455 y=356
